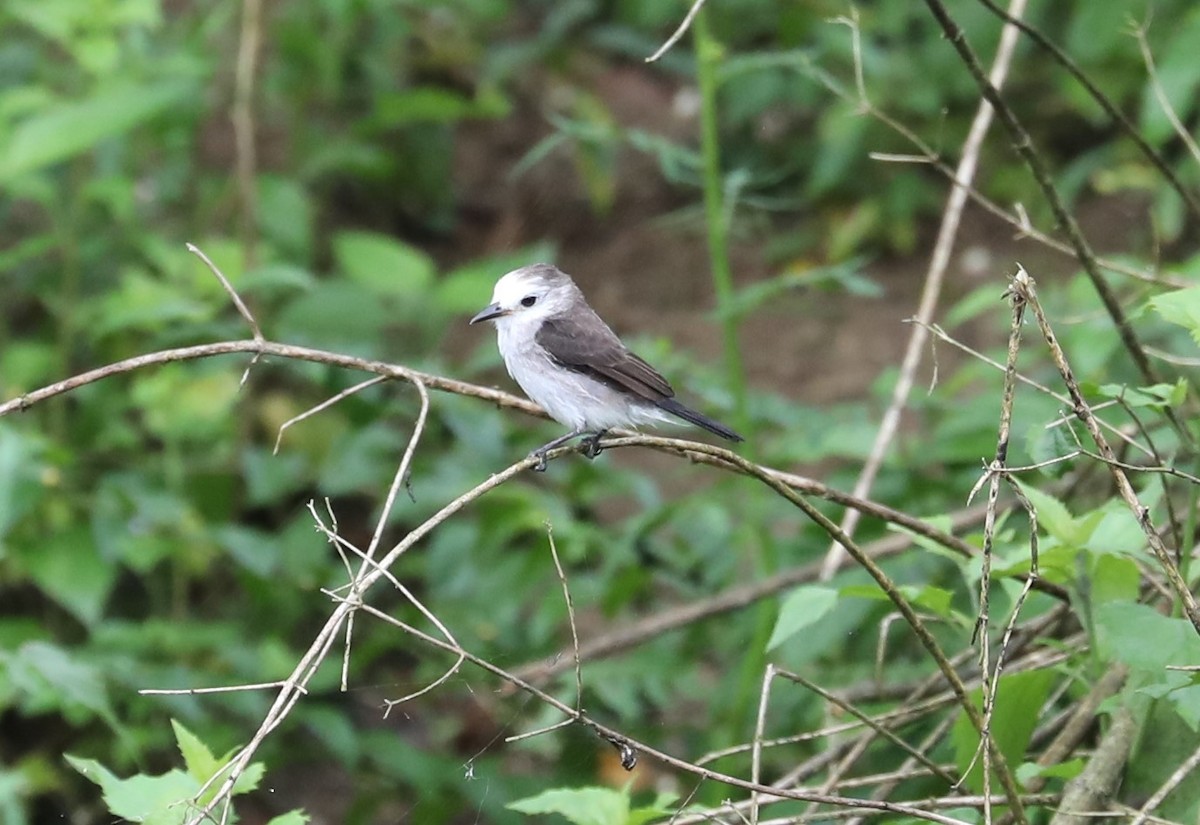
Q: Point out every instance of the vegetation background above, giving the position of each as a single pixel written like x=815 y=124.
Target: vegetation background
x=362 y=171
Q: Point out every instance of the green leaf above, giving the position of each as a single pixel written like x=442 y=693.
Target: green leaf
x=285 y=211
x=1114 y=579
x=1019 y=699
x=662 y=806
x=846 y=275
x=1144 y=639
x=385 y=266
x=804 y=606
x=20 y=469
x=1180 y=307
x=934 y=599
x=66 y=129
x=145 y=302
x=201 y=764
x=1053 y=516
x=47 y=678
x=1063 y=770
x=68 y=567
x=290 y=818
x=1155 y=397
x=582 y=806
x=337 y=315
x=171 y=797
x=153 y=800
x=1113 y=529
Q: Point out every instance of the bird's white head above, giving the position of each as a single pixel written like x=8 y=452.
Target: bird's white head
x=530 y=295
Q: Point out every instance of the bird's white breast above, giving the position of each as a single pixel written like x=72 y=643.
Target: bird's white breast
x=571 y=398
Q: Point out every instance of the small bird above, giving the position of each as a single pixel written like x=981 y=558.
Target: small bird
x=568 y=360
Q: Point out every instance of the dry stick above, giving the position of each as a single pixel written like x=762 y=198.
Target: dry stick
x=1176 y=527
x=880 y=729
x=242 y=309
x=197 y=691
x=936 y=735
x=1037 y=627
x=858 y=748
x=1160 y=95
x=1097 y=784
x=995 y=472
x=1118 y=117
x=679 y=32
x=339 y=543
x=934 y=279
x=1124 y=488
x=242 y=116
x=324 y=405
x=267 y=348
x=1023 y=144
x=929 y=804
x=617 y=738
x=1120 y=809
x=367 y=558
x=562 y=577
x=897 y=716
x=760 y=724
x=315 y=655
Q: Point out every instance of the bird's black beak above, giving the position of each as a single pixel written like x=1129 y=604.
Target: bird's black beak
x=488 y=313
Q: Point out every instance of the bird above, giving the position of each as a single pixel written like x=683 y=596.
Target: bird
x=572 y=364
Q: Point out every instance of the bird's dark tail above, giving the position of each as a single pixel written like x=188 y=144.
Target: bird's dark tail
x=692 y=417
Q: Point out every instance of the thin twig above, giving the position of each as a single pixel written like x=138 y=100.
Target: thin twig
x=756 y=743
x=562 y=577
x=324 y=405
x=1160 y=94
x=880 y=729
x=197 y=691
x=678 y=33
x=229 y=290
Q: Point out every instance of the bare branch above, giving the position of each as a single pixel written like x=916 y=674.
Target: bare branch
x=678 y=33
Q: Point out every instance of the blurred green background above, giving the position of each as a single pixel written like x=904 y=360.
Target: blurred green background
x=362 y=171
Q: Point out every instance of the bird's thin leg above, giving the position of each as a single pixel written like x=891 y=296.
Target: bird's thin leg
x=541 y=451
x=591 y=444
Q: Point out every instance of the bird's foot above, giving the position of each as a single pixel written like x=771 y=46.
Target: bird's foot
x=591 y=444
x=540 y=455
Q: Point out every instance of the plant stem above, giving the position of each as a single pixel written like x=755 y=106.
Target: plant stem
x=756 y=541
x=708 y=55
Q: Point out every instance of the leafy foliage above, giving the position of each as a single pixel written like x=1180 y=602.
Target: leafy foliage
x=151 y=537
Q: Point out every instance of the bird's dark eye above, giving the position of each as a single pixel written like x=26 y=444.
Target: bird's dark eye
x=529 y=300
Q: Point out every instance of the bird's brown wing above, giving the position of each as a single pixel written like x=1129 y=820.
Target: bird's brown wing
x=582 y=342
